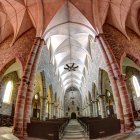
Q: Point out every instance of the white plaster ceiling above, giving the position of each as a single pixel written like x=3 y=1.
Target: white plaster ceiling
x=66 y=26
x=68 y=36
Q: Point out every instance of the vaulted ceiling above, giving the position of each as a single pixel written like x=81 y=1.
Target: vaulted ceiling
x=68 y=27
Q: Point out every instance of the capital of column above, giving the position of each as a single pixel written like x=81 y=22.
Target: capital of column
x=101 y=96
x=35 y=39
x=56 y=105
x=42 y=41
x=94 y=101
x=97 y=36
x=52 y=103
x=44 y=98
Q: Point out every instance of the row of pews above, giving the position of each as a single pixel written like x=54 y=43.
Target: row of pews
x=51 y=129
x=96 y=127
x=6 y=120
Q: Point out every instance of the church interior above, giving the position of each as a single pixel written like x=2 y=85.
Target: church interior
x=69 y=69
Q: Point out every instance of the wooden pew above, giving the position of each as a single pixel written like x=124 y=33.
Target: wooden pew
x=84 y=121
x=103 y=127
x=41 y=129
x=6 y=120
x=97 y=127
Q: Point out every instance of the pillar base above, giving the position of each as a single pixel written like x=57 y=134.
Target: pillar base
x=17 y=132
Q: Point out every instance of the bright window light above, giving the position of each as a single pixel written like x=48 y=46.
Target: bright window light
x=8 y=92
x=136 y=85
x=108 y=94
x=99 y=108
x=36 y=96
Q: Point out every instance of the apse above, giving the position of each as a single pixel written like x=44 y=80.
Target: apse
x=72 y=102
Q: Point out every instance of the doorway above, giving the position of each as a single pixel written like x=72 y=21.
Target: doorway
x=73 y=115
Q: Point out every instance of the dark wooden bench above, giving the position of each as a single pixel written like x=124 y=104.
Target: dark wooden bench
x=41 y=129
x=84 y=121
x=97 y=127
x=103 y=127
x=6 y=120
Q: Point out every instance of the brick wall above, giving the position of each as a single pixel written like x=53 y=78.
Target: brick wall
x=19 y=50
x=121 y=45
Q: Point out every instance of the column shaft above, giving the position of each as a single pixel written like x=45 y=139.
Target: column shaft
x=29 y=94
x=20 y=102
x=116 y=95
x=121 y=86
x=44 y=98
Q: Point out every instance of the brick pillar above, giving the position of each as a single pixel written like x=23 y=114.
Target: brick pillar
x=29 y=95
x=116 y=95
x=20 y=102
x=121 y=97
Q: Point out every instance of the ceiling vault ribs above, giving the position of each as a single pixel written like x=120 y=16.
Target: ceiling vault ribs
x=69 y=26
x=69 y=45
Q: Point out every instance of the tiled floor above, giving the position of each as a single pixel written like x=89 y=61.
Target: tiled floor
x=75 y=132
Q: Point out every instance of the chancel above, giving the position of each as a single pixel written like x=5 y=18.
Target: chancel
x=69 y=69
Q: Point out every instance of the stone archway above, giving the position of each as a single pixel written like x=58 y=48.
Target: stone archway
x=130 y=70
x=9 y=84
x=73 y=115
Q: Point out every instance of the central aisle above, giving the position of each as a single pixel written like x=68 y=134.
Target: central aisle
x=74 y=131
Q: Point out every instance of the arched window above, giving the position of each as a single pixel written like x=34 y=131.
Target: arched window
x=108 y=93
x=36 y=97
x=136 y=85
x=99 y=107
x=8 y=92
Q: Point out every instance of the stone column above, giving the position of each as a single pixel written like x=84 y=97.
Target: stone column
x=102 y=105
x=116 y=95
x=51 y=110
x=87 y=110
x=59 y=111
x=95 y=114
x=44 y=98
x=20 y=102
x=29 y=95
x=121 y=97
x=48 y=111
x=56 y=111
x=91 y=109
x=43 y=111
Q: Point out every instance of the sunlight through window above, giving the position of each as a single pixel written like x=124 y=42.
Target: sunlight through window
x=7 y=93
x=136 y=85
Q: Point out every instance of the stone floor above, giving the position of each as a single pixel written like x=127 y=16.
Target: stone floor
x=74 y=131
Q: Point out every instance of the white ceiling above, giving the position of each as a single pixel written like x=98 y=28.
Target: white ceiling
x=68 y=39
